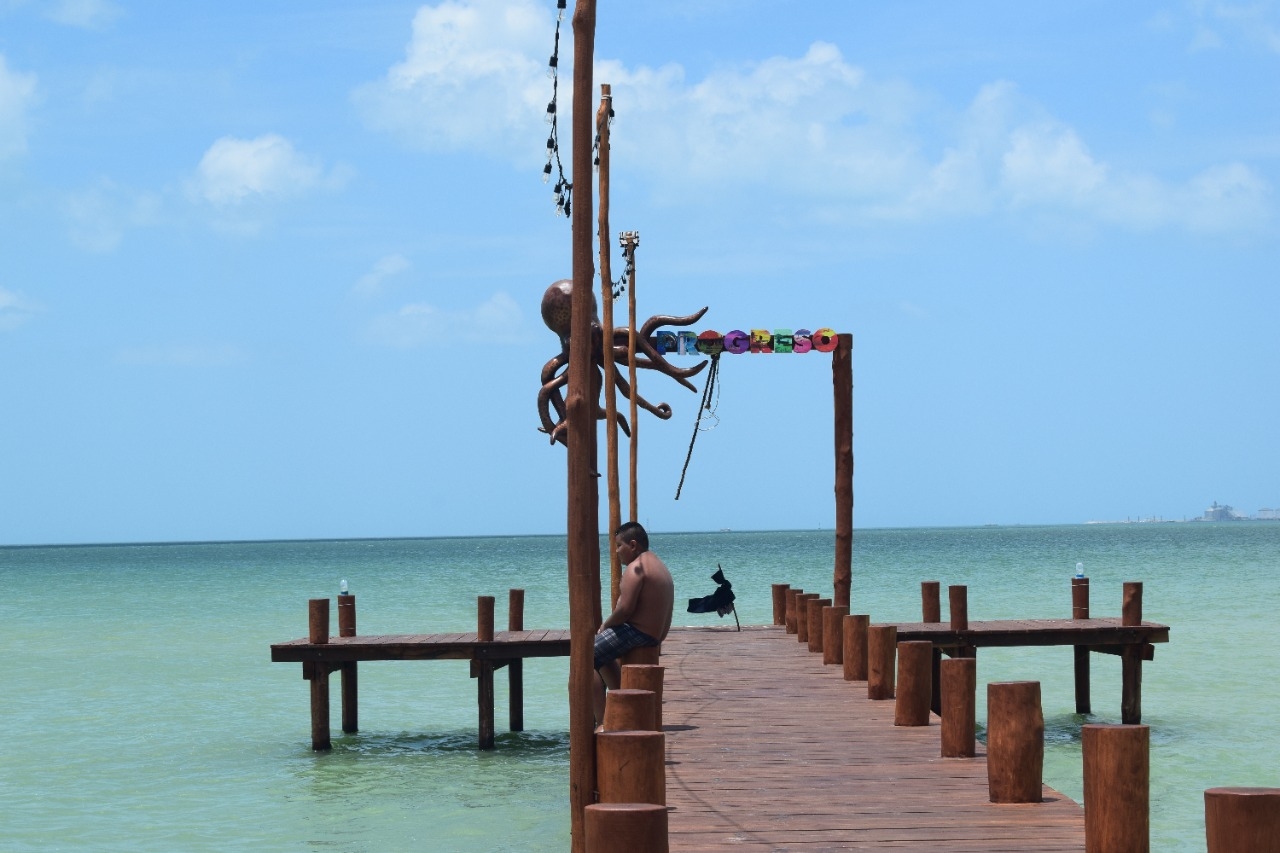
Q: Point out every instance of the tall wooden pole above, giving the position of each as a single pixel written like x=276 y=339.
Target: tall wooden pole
x=584 y=494
x=630 y=241
x=842 y=382
x=606 y=296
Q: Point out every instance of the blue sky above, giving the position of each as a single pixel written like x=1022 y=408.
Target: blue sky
x=273 y=269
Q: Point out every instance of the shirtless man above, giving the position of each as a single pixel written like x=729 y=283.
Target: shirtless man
x=642 y=616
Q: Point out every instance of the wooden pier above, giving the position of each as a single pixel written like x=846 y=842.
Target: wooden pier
x=488 y=650
x=768 y=749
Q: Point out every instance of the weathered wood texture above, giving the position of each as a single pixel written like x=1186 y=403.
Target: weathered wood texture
x=842 y=386
x=767 y=749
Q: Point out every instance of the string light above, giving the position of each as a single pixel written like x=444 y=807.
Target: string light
x=563 y=190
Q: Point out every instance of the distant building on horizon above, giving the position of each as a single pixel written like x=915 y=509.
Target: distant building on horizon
x=1268 y=514
x=1220 y=512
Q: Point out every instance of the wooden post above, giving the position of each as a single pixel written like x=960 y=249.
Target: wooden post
x=882 y=641
x=1131 y=658
x=930 y=604
x=1117 y=788
x=842 y=385
x=515 y=668
x=1242 y=819
x=641 y=826
x=646 y=677
x=583 y=505
x=833 y=634
x=350 y=690
x=855 y=646
x=791 y=609
x=802 y=615
x=483 y=670
x=606 y=303
x=915 y=684
x=959 y=598
x=630 y=710
x=780 y=603
x=1015 y=742
x=815 y=622
x=318 y=634
x=630 y=242
x=959 y=719
x=1080 y=610
x=1131 y=609
x=631 y=767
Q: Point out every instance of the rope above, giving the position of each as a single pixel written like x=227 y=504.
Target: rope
x=710 y=388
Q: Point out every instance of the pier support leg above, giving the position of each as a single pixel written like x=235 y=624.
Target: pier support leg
x=1131 y=685
x=484 y=697
x=320 y=708
x=350 y=694
x=515 y=669
x=1083 y=705
x=935 y=702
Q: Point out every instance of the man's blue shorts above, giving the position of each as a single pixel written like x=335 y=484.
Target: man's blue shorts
x=613 y=643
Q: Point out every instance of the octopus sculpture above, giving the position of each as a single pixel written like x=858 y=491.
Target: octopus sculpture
x=555 y=313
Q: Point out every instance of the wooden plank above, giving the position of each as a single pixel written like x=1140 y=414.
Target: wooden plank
x=767 y=749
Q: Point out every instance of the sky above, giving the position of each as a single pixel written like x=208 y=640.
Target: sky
x=273 y=269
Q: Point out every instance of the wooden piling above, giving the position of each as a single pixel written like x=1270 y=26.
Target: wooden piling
x=350 y=689
x=930 y=602
x=802 y=615
x=646 y=677
x=1080 y=610
x=483 y=670
x=855 y=646
x=882 y=643
x=642 y=827
x=914 y=684
x=631 y=767
x=1131 y=609
x=630 y=710
x=1242 y=820
x=515 y=668
x=959 y=697
x=583 y=504
x=842 y=384
x=780 y=603
x=815 y=623
x=959 y=599
x=318 y=634
x=1015 y=742
x=833 y=634
x=1117 y=788
x=1131 y=657
x=791 y=609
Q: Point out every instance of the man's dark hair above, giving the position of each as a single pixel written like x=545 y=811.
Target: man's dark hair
x=633 y=531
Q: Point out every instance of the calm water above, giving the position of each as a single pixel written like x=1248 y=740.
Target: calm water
x=141 y=711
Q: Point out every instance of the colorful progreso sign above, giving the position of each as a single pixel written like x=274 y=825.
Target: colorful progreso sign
x=712 y=342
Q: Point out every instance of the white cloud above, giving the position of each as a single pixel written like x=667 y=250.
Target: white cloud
x=1216 y=25
x=498 y=320
x=234 y=171
x=370 y=284
x=15 y=309
x=183 y=355
x=99 y=216
x=88 y=14
x=469 y=77
x=814 y=129
x=17 y=94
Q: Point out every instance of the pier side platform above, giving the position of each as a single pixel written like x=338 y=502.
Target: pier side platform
x=768 y=749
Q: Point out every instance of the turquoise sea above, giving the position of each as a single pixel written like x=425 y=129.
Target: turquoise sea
x=140 y=709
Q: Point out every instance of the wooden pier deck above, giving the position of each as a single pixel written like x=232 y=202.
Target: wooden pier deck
x=767 y=749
